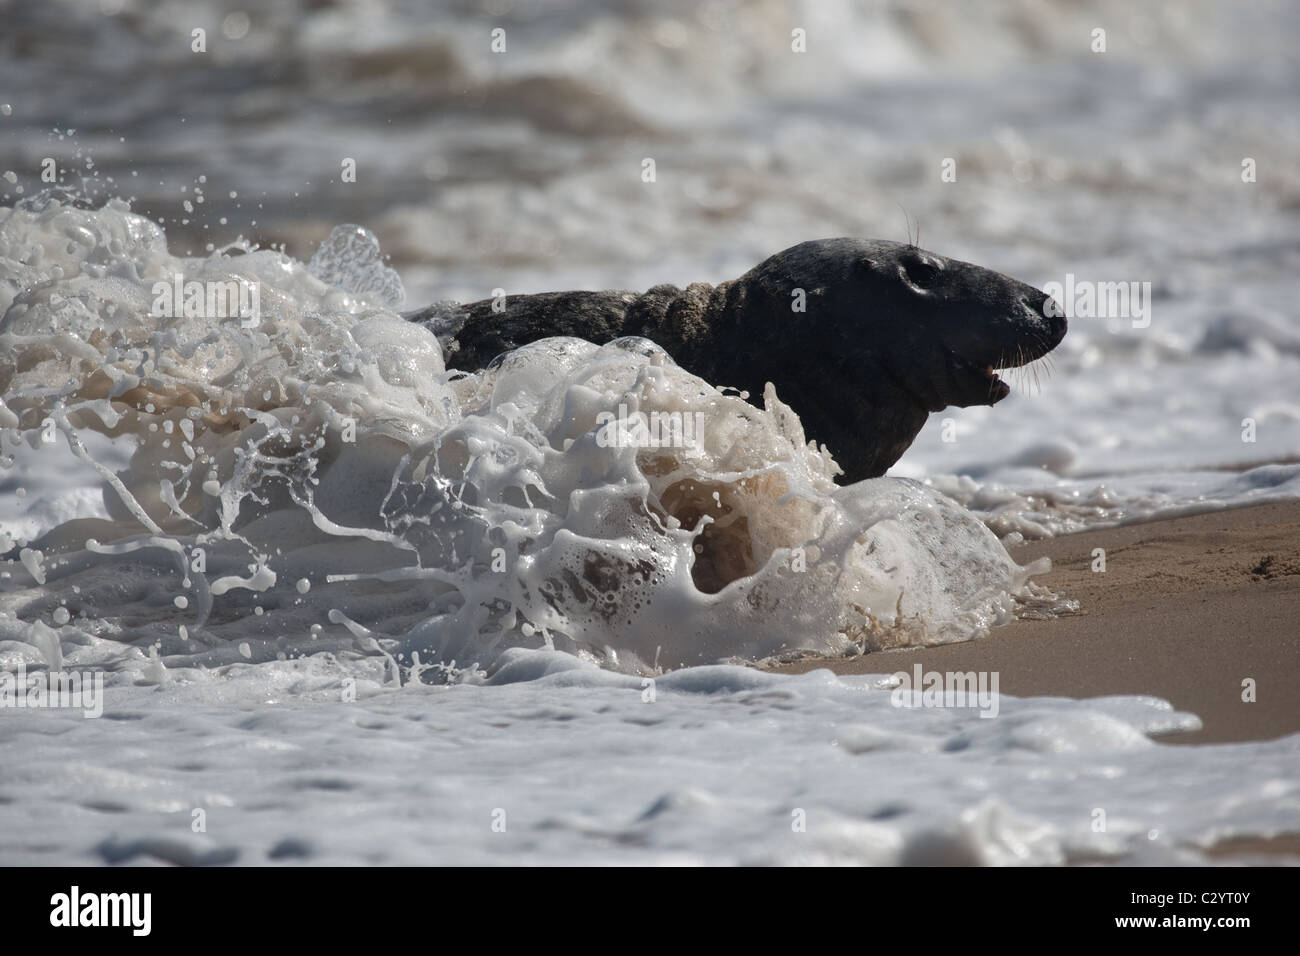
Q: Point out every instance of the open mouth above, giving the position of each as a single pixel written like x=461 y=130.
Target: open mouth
x=998 y=389
x=981 y=382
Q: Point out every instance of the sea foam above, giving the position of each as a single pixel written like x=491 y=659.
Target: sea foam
x=319 y=438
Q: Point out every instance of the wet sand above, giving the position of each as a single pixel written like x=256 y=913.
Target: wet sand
x=1187 y=609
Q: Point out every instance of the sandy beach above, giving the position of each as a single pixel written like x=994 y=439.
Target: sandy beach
x=1187 y=609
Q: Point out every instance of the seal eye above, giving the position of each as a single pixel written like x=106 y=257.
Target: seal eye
x=919 y=273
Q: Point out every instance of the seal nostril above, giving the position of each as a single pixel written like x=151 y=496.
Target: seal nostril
x=1050 y=310
x=1055 y=317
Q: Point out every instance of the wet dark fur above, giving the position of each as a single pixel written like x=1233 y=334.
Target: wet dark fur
x=890 y=333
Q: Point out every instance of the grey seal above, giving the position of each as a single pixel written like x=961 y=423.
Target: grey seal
x=888 y=333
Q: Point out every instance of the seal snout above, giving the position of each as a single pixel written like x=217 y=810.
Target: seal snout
x=1011 y=325
x=1044 y=306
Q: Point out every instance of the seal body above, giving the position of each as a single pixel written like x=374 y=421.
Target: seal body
x=862 y=338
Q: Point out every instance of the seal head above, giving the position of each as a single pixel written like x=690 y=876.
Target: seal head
x=887 y=334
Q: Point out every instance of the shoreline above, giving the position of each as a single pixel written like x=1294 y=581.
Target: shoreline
x=1187 y=609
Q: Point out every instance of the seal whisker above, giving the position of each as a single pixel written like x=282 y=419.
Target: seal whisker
x=907 y=221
